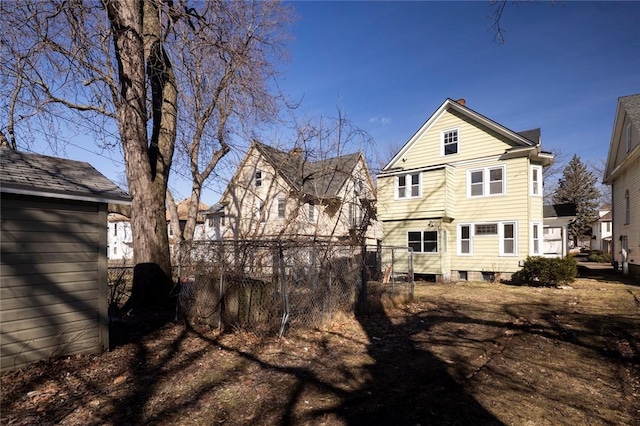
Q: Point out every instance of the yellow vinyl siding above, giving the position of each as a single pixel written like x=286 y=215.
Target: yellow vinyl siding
x=395 y=234
x=432 y=202
x=446 y=202
x=474 y=141
x=512 y=206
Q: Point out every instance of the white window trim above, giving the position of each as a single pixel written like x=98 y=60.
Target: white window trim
x=501 y=238
x=407 y=187
x=486 y=174
x=475 y=234
x=257 y=178
x=459 y=239
x=540 y=239
x=421 y=252
x=442 y=133
x=312 y=213
x=531 y=190
x=282 y=208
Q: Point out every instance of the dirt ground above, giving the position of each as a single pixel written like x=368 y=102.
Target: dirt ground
x=459 y=354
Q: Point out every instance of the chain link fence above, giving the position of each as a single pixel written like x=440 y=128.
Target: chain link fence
x=268 y=286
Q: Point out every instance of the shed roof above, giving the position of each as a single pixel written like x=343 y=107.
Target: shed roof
x=559 y=210
x=44 y=176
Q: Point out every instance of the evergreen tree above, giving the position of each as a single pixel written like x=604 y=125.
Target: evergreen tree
x=578 y=186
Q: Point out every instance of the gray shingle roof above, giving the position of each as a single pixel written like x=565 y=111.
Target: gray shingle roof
x=533 y=135
x=631 y=104
x=322 y=178
x=35 y=174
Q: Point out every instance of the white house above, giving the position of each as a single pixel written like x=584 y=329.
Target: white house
x=120 y=241
x=601 y=230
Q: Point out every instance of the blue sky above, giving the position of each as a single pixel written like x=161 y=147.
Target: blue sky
x=390 y=65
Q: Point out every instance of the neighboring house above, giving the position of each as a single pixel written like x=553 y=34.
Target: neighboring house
x=199 y=232
x=622 y=172
x=465 y=193
x=120 y=240
x=557 y=218
x=215 y=224
x=278 y=194
x=601 y=230
x=53 y=242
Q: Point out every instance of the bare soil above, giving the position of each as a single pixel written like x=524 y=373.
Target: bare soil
x=459 y=354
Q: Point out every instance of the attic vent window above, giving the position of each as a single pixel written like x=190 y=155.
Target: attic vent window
x=450 y=142
x=487 y=229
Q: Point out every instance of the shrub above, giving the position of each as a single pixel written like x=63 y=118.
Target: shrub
x=544 y=271
x=600 y=257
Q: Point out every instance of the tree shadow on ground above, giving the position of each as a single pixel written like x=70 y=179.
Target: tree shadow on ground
x=606 y=274
x=408 y=385
x=132 y=327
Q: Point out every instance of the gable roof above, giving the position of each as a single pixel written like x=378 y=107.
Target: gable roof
x=606 y=217
x=183 y=210
x=631 y=106
x=53 y=177
x=322 y=178
x=525 y=139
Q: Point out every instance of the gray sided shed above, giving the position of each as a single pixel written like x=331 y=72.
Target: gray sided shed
x=53 y=261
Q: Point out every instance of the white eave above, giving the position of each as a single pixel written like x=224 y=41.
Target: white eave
x=451 y=104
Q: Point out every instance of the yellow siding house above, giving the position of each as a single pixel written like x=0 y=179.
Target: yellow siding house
x=465 y=193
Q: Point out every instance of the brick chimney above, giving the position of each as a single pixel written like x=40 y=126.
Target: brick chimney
x=461 y=101
x=296 y=152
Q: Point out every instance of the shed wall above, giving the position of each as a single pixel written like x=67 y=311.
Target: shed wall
x=53 y=289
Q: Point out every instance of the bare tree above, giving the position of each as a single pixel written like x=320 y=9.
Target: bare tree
x=552 y=173
x=226 y=86
x=124 y=69
x=497 y=17
x=599 y=168
x=316 y=189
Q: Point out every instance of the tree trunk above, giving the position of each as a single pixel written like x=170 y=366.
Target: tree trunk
x=147 y=164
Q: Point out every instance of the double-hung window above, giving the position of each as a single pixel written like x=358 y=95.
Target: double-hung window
x=282 y=203
x=536 y=180
x=536 y=239
x=486 y=182
x=408 y=186
x=423 y=241
x=450 y=142
x=258 y=177
x=508 y=239
x=464 y=239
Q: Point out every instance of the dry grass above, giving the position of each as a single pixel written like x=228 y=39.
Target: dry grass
x=466 y=353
